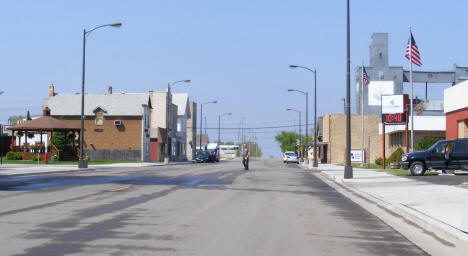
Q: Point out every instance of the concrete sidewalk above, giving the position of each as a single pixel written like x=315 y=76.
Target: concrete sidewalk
x=441 y=209
x=19 y=169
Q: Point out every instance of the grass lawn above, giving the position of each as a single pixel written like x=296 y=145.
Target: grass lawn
x=97 y=161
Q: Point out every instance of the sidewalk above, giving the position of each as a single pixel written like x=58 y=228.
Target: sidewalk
x=19 y=169
x=441 y=209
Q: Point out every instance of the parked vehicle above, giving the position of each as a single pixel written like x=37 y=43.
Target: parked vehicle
x=290 y=157
x=213 y=150
x=202 y=157
x=434 y=158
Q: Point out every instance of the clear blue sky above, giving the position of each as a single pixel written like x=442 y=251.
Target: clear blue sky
x=236 y=52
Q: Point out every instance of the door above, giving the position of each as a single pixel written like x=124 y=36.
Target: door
x=437 y=157
x=459 y=155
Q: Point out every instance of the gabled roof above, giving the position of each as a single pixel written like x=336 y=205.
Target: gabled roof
x=45 y=123
x=112 y=104
x=181 y=100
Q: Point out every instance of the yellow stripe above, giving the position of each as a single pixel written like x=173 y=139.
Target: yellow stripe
x=119 y=189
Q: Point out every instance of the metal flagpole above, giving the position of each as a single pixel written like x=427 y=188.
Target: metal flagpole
x=411 y=88
x=362 y=114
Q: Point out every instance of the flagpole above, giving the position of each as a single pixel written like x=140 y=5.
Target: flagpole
x=362 y=114
x=411 y=88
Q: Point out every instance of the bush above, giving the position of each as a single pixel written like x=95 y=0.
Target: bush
x=426 y=143
x=13 y=155
x=378 y=161
x=35 y=158
x=395 y=157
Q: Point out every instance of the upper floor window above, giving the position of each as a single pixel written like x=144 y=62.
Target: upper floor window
x=99 y=120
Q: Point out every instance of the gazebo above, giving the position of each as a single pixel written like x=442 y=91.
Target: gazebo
x=42 y=125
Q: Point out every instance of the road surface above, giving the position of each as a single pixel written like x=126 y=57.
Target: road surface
x=195 y=209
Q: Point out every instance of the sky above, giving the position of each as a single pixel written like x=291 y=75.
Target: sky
x=235 y=52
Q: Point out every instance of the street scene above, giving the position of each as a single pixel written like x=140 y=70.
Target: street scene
x=233 y=128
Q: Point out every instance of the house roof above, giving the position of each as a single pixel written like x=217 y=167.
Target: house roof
x=45 y=123
x=113 y=104
x=181 y=101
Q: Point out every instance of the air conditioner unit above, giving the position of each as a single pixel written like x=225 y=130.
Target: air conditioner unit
x=117 y=122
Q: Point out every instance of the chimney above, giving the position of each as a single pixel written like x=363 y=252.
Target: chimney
x=51 y=90
x=109 y=90
x=46 y=111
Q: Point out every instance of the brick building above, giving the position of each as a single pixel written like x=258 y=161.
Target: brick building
x=332 y=149
x=456 y=111
x=116 y=125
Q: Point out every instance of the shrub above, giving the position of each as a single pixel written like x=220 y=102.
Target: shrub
x=426 y=143
x=13 y=155
x=395 y=157
x=35 y=158
x=378 y=161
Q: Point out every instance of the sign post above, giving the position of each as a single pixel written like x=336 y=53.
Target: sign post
x=394 y=112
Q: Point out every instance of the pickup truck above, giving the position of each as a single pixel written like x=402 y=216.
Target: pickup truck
x=434 y=157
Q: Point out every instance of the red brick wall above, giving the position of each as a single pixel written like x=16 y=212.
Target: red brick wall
x=451 y=122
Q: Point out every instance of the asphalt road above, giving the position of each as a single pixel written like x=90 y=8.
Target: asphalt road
x=199 y=209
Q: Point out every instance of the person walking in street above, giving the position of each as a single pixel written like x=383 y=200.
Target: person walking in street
x=245 y=156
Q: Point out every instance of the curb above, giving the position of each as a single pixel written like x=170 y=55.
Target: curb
x=437 y=229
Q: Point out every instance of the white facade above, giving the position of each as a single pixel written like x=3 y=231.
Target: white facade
x=421 y=123
x=455 y=97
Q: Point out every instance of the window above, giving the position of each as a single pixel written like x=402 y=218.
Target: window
x=99 y=120
x=381 y=75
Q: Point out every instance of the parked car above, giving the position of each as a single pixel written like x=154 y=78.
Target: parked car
x=202 y=157
x=290 y=157
x=434 y=157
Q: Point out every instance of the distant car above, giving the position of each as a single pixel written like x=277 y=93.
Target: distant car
x=202 y=157
x=290 y=157
x=213 y=156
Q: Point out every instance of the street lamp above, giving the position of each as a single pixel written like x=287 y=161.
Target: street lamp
x=201 y=119
x=82 y=162
x=348 y=170
x=169 y=99
x=219 y=125
x=300 y=132
x=315 y=112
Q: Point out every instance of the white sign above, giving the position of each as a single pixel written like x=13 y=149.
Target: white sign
x=392 y=104
x=377 y=89
x=357 y=155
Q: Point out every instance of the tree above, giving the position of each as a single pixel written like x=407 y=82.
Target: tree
x=287 y=141
x=426 y=143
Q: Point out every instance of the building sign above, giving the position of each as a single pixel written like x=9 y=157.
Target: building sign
x=393 y=109
x=392 y=104
x=357 y=155
x=377 y=89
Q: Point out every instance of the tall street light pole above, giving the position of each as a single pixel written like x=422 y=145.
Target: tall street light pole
x=315 y=110
x=168 y=101
x=348 y=170
x=82 y=163
x=201 y=119
x=219 y=125
x=300 y=125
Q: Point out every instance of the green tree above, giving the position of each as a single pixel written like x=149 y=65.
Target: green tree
x=287 y=141
x=426 y=143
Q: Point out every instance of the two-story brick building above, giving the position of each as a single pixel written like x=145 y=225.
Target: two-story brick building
x=116 y=126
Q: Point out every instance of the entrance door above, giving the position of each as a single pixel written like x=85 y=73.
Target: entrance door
x=154 y=150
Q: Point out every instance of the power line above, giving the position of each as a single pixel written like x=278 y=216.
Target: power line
x=253 y=128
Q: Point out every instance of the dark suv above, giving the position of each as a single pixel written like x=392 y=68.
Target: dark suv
x=434 y=157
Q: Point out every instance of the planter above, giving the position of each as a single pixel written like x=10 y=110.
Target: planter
x=395 y=165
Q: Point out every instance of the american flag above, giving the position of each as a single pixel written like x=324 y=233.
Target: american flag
x=365 y=77
x=416 y=59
